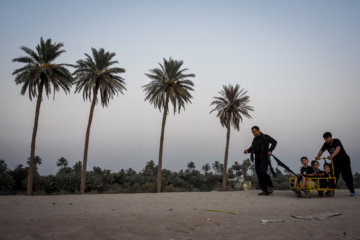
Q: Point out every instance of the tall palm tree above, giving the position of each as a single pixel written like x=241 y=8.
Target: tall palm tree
x=168 y=83
x=41 y=74
x=231 y=105
x=96 y=76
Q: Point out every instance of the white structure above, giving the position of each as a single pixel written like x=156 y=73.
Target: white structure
x=240 y=182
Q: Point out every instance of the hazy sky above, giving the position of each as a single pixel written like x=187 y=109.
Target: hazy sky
x=298 y=60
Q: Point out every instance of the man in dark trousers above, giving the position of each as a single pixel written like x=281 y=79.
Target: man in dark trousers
x=262 y=150
x=341 y=160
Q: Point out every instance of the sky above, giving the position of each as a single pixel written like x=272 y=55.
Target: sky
x=298 y=61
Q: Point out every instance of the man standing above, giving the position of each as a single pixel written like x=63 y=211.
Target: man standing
x=262 y=149
x=341 y=160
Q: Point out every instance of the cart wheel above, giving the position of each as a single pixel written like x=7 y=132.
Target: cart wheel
x=298 y=193
x=308 y=194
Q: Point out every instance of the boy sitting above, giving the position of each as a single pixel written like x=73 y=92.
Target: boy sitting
x=327 y=183
x=305 y=171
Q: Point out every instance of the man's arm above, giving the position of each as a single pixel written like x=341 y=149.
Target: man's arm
x=248 y=150
x=319 y=155
x=273 y=143
x=337 y=150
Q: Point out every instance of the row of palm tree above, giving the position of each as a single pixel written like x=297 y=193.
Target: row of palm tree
x=68 y=178
x=96 y=78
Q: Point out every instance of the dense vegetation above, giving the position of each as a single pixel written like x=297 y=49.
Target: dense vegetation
x=67 y=180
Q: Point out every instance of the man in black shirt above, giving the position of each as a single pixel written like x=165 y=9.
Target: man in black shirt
x=262 y=150
x=341 y=160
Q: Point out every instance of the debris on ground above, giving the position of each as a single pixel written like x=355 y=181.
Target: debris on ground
x=320 y=216
x=214 y=210
x=271 y=221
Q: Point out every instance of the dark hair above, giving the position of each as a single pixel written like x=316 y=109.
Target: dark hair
x=327 y=134
x=303 y=157
x=313 y=162
x=256 y=127
x=327 y=164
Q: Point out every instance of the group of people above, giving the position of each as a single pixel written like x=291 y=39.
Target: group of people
x=313 y=171
x=263 y=145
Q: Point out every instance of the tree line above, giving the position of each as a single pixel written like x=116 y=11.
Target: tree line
x=98 y=80
x=67 y=179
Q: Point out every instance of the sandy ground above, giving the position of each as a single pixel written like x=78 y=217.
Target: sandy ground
x=178 y=216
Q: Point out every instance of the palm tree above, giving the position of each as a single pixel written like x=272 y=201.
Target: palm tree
x=38 y=75
x=206 y=168
x=3 y=166
x=130 y=172
x=191 y=166
x=62 y=162
x=150 y=168
x=37 y=162
x=94 y=75
x=231 y=105
x=245 y=166
x=236 y=166
x=77 y=167
x=168 y=83
x=218 y=167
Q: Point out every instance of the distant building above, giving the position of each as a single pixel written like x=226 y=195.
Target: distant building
x=239 y=182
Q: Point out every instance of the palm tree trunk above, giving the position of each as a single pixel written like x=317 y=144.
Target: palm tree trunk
x=33 y=140
x=226 y=153
x=83 y=173
x=158 y=187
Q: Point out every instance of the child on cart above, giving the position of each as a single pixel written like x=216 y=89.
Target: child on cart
x=305 y=171
x=327 y=183
x=317 y=173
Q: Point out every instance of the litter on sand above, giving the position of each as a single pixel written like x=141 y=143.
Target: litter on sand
x=213 y=210
x=320 y=216
x=271 y=221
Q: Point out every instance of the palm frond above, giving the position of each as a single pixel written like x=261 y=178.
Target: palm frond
x=95 y=74
x=169 y=81
x=40 y=70
x=231 y=106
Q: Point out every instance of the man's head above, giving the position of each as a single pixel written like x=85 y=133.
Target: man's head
x=328 y=137
x=255 y=131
